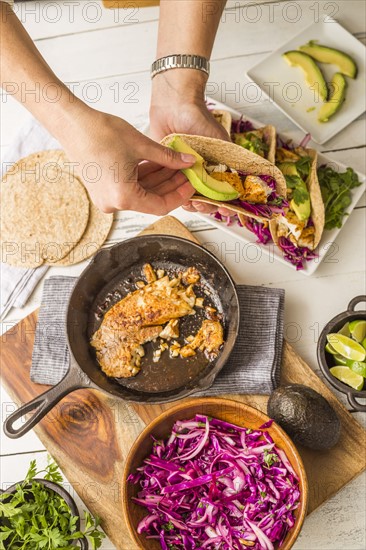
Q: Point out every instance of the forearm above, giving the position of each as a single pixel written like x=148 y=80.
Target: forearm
x=28 y=78
x=185 y=27
x=189 y=26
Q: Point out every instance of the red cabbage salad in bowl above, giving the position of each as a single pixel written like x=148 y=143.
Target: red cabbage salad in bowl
x=217 y=486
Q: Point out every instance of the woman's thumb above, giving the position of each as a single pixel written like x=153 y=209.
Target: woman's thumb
x=165 y=156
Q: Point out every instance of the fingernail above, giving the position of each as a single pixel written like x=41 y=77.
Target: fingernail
x=189 y=159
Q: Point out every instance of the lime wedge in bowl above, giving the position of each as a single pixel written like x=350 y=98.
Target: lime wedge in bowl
x=347 y=347
x=345 y=330
x=347 y=376
x=339 y=360
x=357 y=329
x=357 y=366
x=363 y=343
x=329 y=348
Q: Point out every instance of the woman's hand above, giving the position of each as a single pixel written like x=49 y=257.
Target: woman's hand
x=123 y=169
x=178 y=106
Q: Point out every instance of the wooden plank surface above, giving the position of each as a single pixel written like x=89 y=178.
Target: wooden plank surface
x=89 y=433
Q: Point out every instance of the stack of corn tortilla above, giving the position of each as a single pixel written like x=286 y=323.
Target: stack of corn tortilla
x=47 y=216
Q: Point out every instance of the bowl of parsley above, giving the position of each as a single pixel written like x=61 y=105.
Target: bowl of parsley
x=39 y=513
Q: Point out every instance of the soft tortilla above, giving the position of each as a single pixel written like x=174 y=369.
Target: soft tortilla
x=317 y=205
x=96 y=233
x=218 y=151
x=224 y=118
x=45 y=210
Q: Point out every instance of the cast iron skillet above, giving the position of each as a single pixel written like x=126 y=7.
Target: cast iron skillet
x=112 y=274
x=325 y=359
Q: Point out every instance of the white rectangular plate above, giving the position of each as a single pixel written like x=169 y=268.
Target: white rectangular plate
x=328 y=238
x=286 y=85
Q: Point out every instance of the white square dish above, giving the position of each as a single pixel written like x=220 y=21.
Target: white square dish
x=286 y=86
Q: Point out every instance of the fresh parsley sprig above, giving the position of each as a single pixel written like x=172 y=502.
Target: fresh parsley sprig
x=36 y=517
x=336 y=192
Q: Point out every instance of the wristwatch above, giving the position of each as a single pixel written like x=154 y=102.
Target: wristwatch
x=180 y=61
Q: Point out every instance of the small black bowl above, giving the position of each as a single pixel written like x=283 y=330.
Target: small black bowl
x=56 y=488
x=324 y=358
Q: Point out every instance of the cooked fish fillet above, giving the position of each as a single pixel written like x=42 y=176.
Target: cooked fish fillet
x=255 y=190
x=231 y=177
x=137 y=319
x=119 y=353
x=210 y=338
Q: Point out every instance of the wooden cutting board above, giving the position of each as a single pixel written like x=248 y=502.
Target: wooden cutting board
x=89 y=433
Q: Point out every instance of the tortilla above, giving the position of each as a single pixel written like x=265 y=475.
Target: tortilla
x=45 y=210
x=317 y=205
x=223 y=118
x=269 y=135
x=96 y=233
x=218 y=151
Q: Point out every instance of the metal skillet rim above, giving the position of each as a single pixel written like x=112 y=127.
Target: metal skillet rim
x=163 y=397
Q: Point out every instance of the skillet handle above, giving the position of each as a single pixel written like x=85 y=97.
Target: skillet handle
x=41 y=405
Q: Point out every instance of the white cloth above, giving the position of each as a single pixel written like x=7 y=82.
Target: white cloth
x=17 y=284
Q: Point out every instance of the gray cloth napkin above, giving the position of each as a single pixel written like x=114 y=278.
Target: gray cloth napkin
x=253 y=367
x=17 y=284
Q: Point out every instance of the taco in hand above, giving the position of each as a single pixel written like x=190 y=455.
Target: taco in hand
x=232 y=177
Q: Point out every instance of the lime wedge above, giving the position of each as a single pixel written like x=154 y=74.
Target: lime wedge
x=363 y=343
x=345 y=330
x=347 y=347
x=347 y=376
x=358 y=366
x=330 y=349
x=339 y=360
x=357 y=329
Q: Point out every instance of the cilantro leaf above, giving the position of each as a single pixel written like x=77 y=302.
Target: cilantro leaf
x=336 y=190
x=300 y=194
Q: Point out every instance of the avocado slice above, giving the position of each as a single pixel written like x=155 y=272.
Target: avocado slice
x=303 y=209
x=305 y=415
x=338 y=95
x=200 y=179
x=288 y=168
x=323 y=54
x=313 y=75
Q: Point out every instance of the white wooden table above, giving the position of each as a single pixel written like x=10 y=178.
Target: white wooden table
x=107 y=54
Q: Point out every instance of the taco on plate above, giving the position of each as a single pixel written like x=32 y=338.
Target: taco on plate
x=298 y=231
x=261 y=140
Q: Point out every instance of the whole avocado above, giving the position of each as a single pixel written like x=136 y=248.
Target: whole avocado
x=305 y=415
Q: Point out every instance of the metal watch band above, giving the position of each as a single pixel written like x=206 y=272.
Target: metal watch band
x=180 y=61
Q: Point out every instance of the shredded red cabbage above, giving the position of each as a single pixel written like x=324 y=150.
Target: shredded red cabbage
x=305 y=140
x=241 y=125
x=213 y=485
x=263 y=233
x=263 y=210
x=296 y=255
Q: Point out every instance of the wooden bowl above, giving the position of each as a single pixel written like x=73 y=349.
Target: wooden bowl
x=223 y=409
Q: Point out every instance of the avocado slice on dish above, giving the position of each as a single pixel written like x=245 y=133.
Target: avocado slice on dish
x=323 y=54
x=338 y=95
x=313 y=75
x=200 y=179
